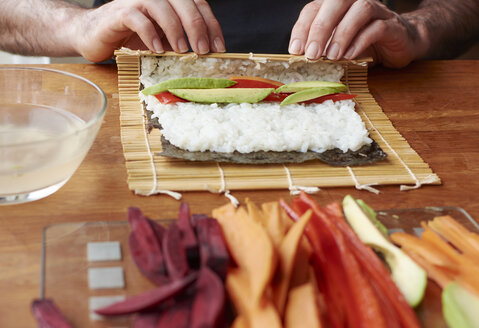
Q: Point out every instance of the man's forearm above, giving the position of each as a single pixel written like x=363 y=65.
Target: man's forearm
x=446 y=27
x=38 y=27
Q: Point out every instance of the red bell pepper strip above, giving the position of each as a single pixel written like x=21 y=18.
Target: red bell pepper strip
x=374 y=268
x=334 y=97
x=254 y=82
x=363 y=309
x=166 y=97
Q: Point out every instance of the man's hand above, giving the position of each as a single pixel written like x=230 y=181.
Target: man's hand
x=157 y=25
x=350 y=28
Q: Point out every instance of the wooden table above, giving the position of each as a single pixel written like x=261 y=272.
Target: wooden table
x=433 y=104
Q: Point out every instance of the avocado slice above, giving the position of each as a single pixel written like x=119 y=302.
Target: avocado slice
x=308 y=94
x=209 y=96
x=460 y=307
x=300 y=86
x=410 y=278
x=188 y=83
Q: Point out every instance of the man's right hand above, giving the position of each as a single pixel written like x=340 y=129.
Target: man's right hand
x=157 y=25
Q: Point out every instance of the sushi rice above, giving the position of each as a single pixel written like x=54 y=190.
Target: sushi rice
x=249 y=128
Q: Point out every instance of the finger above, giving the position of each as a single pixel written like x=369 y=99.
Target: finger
x=136 y=21
x=299 y=34
x=167 y=19
x=368 y=36
x=215 y=35
x=361 y=13
x=194 y=25
x=323 y=25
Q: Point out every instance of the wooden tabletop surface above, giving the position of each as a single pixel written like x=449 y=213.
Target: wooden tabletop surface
x=433 y=104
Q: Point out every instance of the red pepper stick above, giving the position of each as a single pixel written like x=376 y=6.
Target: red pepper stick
x=330 y=283
x=48 y=315
x=368 y=312
x=149 y=299
x=373 y=266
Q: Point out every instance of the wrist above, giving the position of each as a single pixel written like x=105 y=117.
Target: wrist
x=419 y=34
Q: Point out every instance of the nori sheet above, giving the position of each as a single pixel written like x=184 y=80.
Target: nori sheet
x=367 y=154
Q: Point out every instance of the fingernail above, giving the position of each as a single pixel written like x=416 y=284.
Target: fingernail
x=220 y=46
x=349 y=54
x=157 y=46
x=182 y=45
x=295 y=47
x=203 y=47
x=333 y=51
x=313 y=51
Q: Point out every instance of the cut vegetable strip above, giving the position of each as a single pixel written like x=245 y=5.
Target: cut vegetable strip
x=365 y=306
x=213 y=251
x=374 y=268
x=302 y=308
x=175 y=253
x=146 y=245
x=188 y=236
x=48 y=315
x=146 y=320
x=141 y=259
x=244 y=238
x=177 y=315
x=286 y=255
x=464 y=240
x=149 y=299
x=209 y=301
x=422 y=248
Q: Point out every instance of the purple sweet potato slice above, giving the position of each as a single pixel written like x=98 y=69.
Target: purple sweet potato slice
x=209 y=302
x=178 y=314
x=48 y=315
x=146 y=244
x=188 y=237
x=175 y=253
x=147 y=320
x=149 y=299
x=140 y=257
x=213 y=250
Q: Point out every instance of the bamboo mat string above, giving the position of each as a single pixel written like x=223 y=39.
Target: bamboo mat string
x=359 y=186
x=295 y=190
x=223 y=189
x=429 y=179
x=153 y=191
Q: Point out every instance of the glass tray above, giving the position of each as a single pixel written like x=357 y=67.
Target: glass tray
x=64 y=275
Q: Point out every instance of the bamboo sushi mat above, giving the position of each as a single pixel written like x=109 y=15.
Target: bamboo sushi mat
x=150 y=173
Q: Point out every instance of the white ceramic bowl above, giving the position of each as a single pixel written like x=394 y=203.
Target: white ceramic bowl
x=48 y=122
